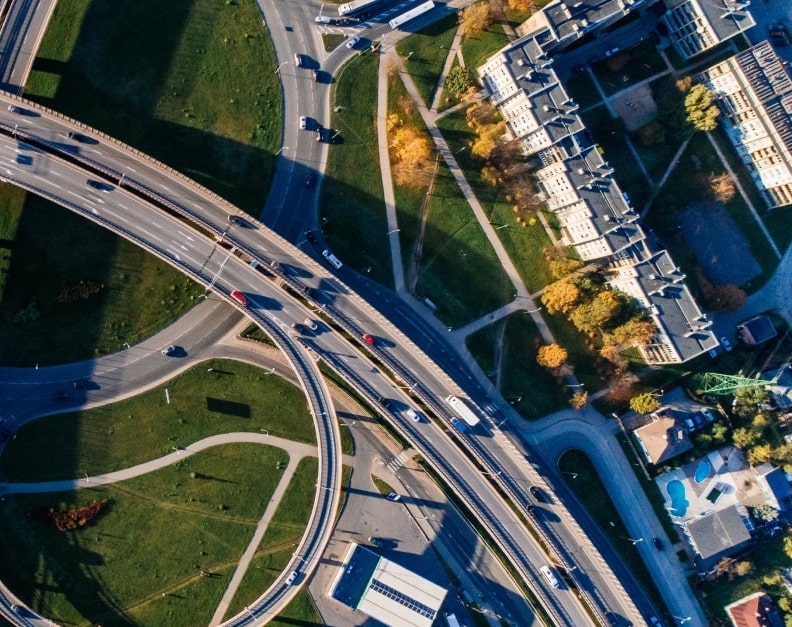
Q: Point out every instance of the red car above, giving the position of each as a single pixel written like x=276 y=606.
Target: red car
x=368 y=339
x=239 y=297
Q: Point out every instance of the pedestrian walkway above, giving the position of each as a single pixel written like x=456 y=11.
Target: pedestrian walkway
x=296 y=450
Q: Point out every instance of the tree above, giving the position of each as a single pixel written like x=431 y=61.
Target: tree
x=788 y=546
x=760 y=454
x=593 y=315
x=702 y=112
x=764 y=512
x=458 y=81
x=722 y=187
x=636 y=331
x=644 y=403
x=521 y=6
x=744 y=438
x=476 y=18
x=579 y=399
x=483 y=112
x=559 y=268
x=652 y=134
x=486 y=141
x=726 y=297
x=719 y=433
x=551 y=356
x=560 y=296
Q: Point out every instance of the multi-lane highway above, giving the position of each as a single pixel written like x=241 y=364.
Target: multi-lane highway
x=66 y=183
x=115 y=170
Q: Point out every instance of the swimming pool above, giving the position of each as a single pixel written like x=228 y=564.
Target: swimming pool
x=679 y=504
x=702 y=471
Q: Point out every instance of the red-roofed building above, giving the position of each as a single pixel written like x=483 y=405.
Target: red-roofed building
x=755 y=610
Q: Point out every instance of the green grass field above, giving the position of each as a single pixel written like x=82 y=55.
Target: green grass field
x=425 y=53
x=280 y=541
x=459 y=271
x=529 y=387
x=233 y=397
x=172 y=88
x=523 y=244
x=477 y=49
x=140 y=560
x=352 y=207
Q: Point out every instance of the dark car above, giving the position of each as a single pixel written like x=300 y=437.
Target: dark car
x=658 y=544
x=24 y=159
x=539 y=494
x=100 y=185
x=384 y=402
x=310 y=237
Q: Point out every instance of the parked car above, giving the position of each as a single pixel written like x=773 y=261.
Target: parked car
x=376 y=542
x=778 y=35
x=353 y=42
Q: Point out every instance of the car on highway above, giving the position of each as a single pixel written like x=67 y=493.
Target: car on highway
x=303 y=122
x=239 y=297
x=24 y=159
x=392 y=496
x=323 y=19
x=292 y=577
x=539 y=494
x=298 y=60
x=550 y=576
x=100 y=185
x=311 y=324
x=384 y=402
x=413 y=415
x=353 y=42
x=169 y=350
x=238 y=220
x=369 y=339
x=658 y=543
x=16 y=109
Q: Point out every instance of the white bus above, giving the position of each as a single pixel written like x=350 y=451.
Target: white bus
x=411 y=14
x=353 y=7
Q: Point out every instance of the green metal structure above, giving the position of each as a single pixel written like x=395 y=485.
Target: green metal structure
x=717 y=383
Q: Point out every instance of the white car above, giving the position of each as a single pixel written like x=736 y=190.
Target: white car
x=303 y=122
x=311 y=324
x=334 y=261
x=414 y=415
x=291 y=578
x=353 y=42
x=322 y=19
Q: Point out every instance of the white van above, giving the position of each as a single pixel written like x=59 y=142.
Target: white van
x=332 y=259
x=323 y=19
x=550 y=576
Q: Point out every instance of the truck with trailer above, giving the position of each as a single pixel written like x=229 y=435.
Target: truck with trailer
x=355 y=6
x=411 y=14
x=463 y=410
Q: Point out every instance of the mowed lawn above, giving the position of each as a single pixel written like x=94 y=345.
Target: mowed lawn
x=232 y=397
x=140 y=561
x=195 y=88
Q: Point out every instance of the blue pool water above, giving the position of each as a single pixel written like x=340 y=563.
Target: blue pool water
x=702 y=471
x=679 y=504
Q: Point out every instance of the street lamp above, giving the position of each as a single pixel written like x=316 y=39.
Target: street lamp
x=393 y=231
x=281 y=149
x=633 y=540
x=682 y=621
x=574 y=475
x=460 y=150
x=277 y=69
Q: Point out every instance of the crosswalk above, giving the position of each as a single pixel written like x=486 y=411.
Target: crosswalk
x=397 y=462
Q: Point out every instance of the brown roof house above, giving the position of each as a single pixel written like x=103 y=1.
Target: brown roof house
x=755 y=610
x=663 y=438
